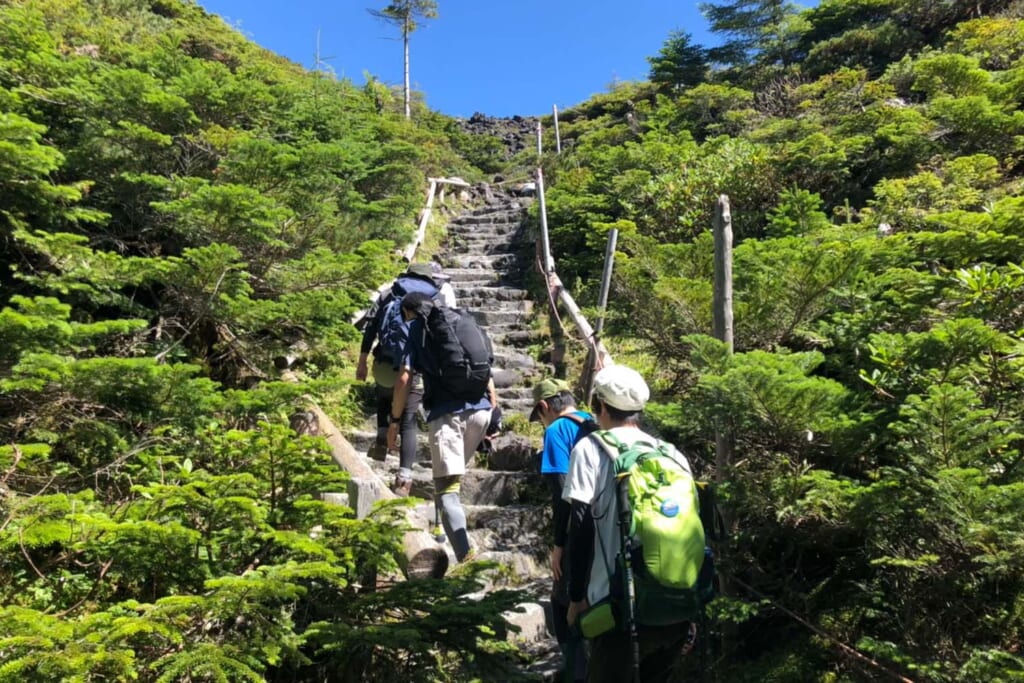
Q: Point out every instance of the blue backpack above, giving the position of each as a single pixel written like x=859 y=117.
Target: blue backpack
x=393 y=330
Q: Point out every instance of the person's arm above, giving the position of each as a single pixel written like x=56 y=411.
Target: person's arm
x=369 y=337
x=580 y=548
x=492 y=393
x=559 y=508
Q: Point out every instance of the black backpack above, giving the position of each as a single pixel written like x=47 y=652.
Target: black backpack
x=463 y=353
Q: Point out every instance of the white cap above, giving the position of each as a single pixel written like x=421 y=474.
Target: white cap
x=622 y=388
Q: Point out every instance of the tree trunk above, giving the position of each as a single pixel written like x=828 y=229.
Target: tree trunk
x=405 y=39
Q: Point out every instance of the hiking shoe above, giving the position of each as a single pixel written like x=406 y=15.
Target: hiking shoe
x=402 y=486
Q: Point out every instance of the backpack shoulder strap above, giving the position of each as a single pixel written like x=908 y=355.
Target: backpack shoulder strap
x=622 y=459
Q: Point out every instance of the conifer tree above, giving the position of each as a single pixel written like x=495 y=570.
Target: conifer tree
x=679 y=63
x=405 y=14
x=754 y=27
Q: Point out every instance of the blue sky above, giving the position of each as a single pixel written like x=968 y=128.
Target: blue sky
x=499 y=58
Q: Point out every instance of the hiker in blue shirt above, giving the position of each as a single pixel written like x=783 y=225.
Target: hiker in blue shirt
x=555 y=407
x=455 y=425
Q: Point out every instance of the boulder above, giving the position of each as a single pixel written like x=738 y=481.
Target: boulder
x=511 y=452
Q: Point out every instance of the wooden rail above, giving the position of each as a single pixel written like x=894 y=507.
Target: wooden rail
x=599 y=356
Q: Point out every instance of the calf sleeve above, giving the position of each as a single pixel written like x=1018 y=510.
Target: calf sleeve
x=453 y=517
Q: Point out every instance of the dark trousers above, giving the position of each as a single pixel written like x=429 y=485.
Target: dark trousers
x=572 y=644
x=409 y=428
x=660 y=654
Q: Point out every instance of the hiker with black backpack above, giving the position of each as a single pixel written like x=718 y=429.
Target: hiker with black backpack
x=564 y=425
x=454 y=356
x=638 y=565
x=385 y=334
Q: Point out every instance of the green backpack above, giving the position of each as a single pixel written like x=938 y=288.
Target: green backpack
x=672 y=567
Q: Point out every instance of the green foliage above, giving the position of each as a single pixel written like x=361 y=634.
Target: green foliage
x=871 y=152
x=798 y=213
x=179 y=208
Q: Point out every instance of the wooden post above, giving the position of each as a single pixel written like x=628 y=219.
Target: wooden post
x=421 y=232
x=722 y=304
x=606 y=280
x=547 y=262
x=558 y=137
x=722 y=300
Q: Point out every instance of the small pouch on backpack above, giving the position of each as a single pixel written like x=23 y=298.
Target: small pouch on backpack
x=599 y=619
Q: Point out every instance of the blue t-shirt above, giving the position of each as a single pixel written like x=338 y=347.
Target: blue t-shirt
x=418 y=357
x=559 y=438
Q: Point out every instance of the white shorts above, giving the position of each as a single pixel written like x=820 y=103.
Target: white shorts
x=454 y=438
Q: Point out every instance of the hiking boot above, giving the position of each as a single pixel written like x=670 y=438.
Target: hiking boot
x=402 y=486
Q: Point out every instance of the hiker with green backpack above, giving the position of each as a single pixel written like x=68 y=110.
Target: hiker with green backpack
x=635 y=512
x=564 y=425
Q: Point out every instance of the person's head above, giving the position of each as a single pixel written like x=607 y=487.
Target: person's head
x=551 y=398
x=437 y=273
x=415 y=304
x=422 y=270
x=620 y=394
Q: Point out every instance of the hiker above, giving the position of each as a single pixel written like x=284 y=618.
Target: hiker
x=386 y=333
x=454 y=357
x=620 y=395
x=564 y=425
x=445 y=291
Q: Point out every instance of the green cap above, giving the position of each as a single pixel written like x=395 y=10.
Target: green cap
x=545 y=389
x=421 y=269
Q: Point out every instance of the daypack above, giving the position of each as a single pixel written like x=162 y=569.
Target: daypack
x=664 y=539
x=463 y=353
x=393 y=330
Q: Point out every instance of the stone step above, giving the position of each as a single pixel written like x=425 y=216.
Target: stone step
x=507 y=205
x=478 y=296
x=502 y=289
x=476 y=303
x=477 y=245
x=495 y=318
x=467 y=277
x=511 y=359
x=510 y=526
x=511 y=338
x=499 y=217
x=486 y=261
x=517 y=407
x=482 y=227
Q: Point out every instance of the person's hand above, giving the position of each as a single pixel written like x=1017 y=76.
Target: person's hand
x=556 y=562
x=361 y=370
x=393 y=436
x=576 y=609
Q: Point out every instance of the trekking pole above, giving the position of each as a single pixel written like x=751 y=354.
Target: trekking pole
x=625 y=514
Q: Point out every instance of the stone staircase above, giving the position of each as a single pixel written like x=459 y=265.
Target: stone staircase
x=487 y=256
